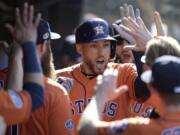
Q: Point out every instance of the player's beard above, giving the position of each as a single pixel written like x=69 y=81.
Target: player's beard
x=47 y=63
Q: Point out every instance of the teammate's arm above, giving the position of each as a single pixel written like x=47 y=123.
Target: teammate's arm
x=15 y=68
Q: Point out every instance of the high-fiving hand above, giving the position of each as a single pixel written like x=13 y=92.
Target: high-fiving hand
x=25 y=28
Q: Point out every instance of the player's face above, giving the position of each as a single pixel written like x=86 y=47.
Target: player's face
x=95 y=56
x=125 y=56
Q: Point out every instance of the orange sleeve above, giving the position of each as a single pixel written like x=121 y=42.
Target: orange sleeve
x=14 y=107
x=128 y=75
x=61 y=109
x=129 y=126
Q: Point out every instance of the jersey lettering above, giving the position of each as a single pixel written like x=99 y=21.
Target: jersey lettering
x=141 y=110
x=79 y=103
x=110 y=108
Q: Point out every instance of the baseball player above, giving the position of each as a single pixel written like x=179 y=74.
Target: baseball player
x=15 y=107
x=122 y=55
x=54 y=117
x=163 y=78
x=96 y=46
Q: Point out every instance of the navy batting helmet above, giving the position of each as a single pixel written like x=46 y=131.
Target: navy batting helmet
x=94 y=30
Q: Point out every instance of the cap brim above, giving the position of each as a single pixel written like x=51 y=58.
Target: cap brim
x=146 y=76
x=105 y=38
x=55 y=35
x=143 y=59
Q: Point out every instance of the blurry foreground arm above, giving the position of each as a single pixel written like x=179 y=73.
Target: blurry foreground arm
x=105 y=90
x=15 y=68
x=2 y=126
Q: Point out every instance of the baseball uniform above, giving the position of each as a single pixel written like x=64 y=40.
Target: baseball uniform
x=54 y=118
x=81 y=90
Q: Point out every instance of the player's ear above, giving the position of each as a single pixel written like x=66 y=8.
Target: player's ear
x=79 y=48
x=42 y=48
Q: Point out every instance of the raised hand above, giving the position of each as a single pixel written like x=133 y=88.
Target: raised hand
x=139 y=32
x=159 y=24
x=25 y=28
x=126 y=11
x=106 y=85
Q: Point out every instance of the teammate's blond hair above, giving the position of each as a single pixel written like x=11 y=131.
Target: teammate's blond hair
x=159 y=46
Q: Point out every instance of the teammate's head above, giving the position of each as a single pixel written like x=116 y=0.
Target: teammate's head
x=164 y=76
x=160 y=46
x=95 y=44
x=122 y=55
x=44 y=32
x=44 y=48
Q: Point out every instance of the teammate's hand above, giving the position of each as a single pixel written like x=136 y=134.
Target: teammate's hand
x=127 y=11
x=25 y=28
x=159 y=24
x=139 y=31
x=106 y=86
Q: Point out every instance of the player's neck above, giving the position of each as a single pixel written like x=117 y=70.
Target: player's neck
x=86 y=71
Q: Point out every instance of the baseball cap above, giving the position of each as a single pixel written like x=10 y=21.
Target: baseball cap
x=93 y=30
x=164 y=74
x=116 y=34
x=44 y=32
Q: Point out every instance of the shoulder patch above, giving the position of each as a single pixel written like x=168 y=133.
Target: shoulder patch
x=69 y=124
x=16 y=99
x=66 y=82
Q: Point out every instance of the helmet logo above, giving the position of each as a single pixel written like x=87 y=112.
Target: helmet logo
x=99 y=30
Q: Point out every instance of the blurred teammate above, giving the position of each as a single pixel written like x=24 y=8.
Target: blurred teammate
x=163 y=78
x=122 y=55
x=15 y=107
x=54 y=118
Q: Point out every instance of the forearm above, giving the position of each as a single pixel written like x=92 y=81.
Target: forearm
x=141 y=91
x=33 y=76
x=15 y=73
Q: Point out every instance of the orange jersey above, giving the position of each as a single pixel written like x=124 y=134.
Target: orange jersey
x=81 y=90
x=145 y=108
x=14 y=107
x=54 y=118
x=169 y=124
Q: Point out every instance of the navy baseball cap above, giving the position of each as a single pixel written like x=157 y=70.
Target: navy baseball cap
x=93 y=30
x=164 y=74
x=44 y=32
x=116 y=34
